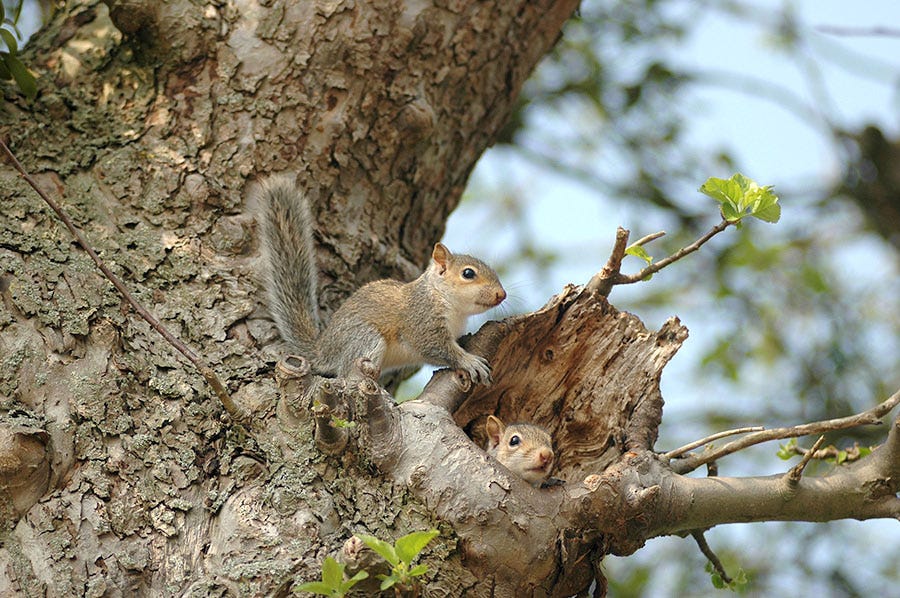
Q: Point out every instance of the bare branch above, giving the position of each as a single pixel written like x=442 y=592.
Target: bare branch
x=605 y=279
x=796 y=471
x=651 y=237
x=692 y=445
x=872 y=416
x=654 y=268
x=611 y=275
x=710 y=555
x=206 y=371
x=859 y=31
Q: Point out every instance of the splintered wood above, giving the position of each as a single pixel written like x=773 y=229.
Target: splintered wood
x=584 y=370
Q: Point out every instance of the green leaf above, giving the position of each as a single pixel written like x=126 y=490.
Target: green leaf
x=765 y=205
x=4 y=70
x=639 y=251
x=418 y=570
x=384 y=549
x=786 y=451
x=721 y=190
x=731 y=213
x=10 y=40
x=315 y=587
x=18 y=13
x=357 y=578
x=388 y=582
x=332 y=572
x=410 y=545
x=741 y=196
x=23 y=78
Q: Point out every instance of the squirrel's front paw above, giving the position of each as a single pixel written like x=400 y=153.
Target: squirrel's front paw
x=478 y=369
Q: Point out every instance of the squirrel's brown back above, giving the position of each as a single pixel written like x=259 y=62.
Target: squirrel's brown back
x=391 y=323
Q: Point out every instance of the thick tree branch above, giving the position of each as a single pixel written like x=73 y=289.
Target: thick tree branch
x=849 y=493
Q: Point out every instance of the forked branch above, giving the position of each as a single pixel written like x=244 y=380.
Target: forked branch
x=872 y=416
x=611 y=274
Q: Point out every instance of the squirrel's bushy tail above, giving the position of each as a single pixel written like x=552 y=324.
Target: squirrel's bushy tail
x=291 y=274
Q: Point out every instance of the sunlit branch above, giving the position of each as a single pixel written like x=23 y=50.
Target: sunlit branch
x=796 y=471
x=697 y=443
x=872 y=416
x=610 y=275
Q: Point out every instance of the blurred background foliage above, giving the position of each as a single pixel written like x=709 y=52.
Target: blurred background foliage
x=789 y=323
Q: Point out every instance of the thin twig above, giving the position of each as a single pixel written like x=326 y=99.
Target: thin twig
x=206 y=371
x=851 y=454
x=654 y=268
x=796 y=471
x=611 y=274
x=709 y=554
x=861 y=31
x=692 y=445
x=871 y=416
x=651 y=237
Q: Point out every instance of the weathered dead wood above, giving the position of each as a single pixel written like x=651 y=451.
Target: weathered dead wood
x=586 y=371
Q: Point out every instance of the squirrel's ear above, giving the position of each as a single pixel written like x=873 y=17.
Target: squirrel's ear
x=494 y=428
x=441 y=256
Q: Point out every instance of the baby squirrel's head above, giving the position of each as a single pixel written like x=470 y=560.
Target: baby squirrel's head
x=524 y=449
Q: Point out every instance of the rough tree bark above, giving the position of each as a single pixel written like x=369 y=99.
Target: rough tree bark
x=121 y=472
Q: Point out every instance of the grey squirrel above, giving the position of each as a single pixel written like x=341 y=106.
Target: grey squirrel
x=524 y=449
x=393 y=324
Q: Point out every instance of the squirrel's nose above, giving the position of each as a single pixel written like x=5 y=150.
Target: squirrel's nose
x=545 y=456
x=500 y=296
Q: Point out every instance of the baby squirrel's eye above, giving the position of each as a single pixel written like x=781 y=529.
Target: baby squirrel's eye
x=515 y=440
x=469 y=274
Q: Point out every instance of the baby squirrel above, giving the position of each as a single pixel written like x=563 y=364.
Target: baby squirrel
x=524 y=449
x=393 y=324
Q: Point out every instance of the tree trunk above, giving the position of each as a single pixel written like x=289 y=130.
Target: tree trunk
x=123 y=474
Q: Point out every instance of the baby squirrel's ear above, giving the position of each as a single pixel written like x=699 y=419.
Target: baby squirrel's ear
x=494 y=428
x=441 y=256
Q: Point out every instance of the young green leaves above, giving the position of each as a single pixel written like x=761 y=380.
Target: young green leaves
x=740 y=196
x=333 y=583
x=10 y=66
x=400 y=556
x=639 y=251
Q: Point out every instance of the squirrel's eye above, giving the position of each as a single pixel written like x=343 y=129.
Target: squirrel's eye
x=514 y=441
x=469 y=274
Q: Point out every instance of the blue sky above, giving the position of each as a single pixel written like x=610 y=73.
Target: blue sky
x=774 y=146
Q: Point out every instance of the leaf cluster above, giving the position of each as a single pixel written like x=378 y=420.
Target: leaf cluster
x=738 y=583
x=333 y=583
x=10 y=65
x=830 y=454
x=740 y=196
x=399 y=556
